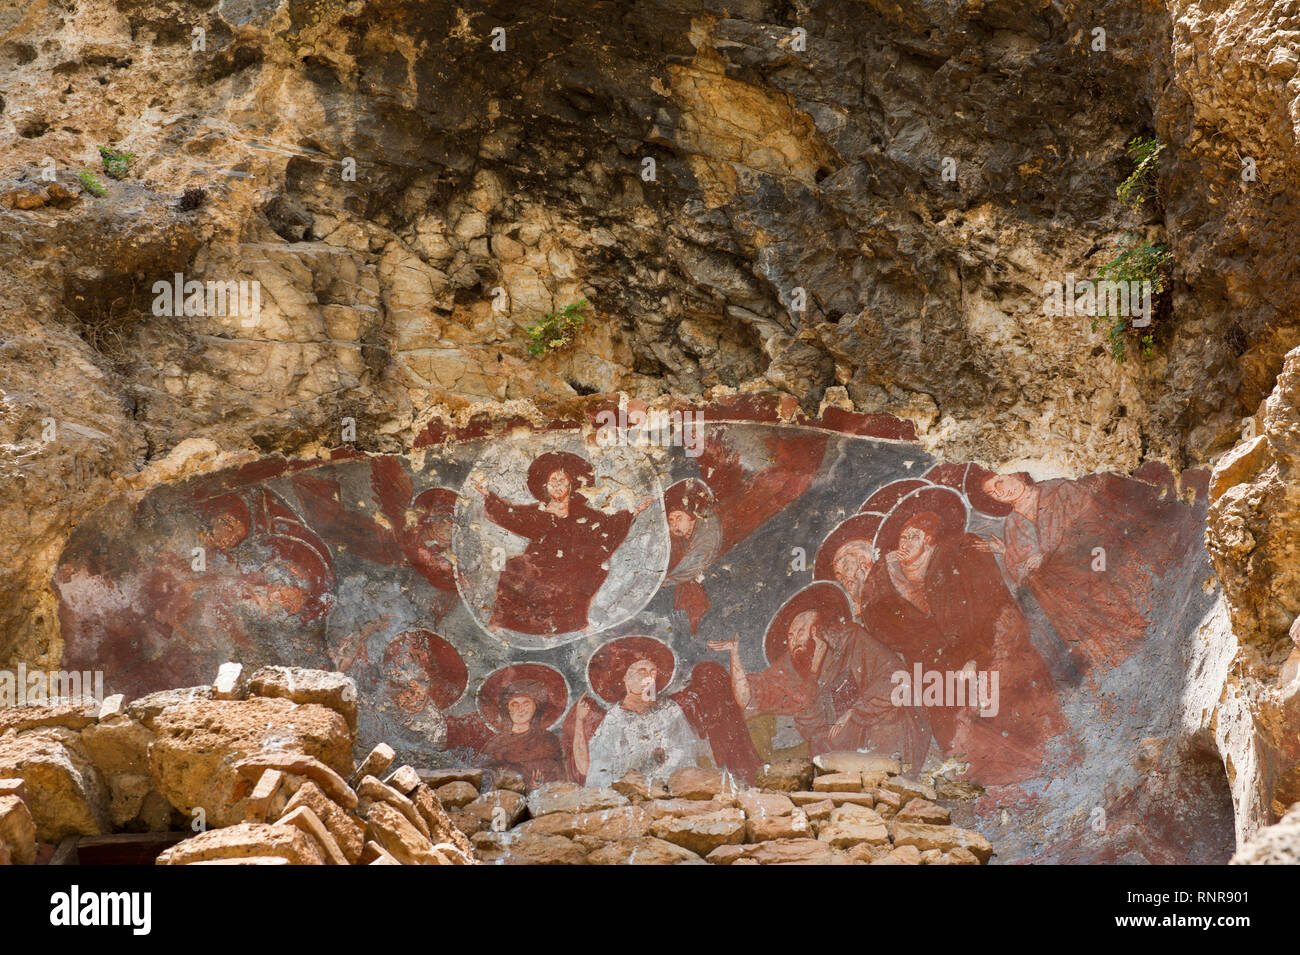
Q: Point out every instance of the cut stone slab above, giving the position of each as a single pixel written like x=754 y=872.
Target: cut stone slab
x=498 y=808
x=434 y=778
x=301 y=685
x=347 y=832
x=757 y=804
x=943 y=838
x=922 y=810
x=704 y=832
x=838 y=783
x=244 y=840
x=644 y=851
x=787 y=775
x=300 y=764
x=691 y=782
x=910 y=789
x=637 y=786
x=861 y=763
x=147 y=708
x=403 y=779
x=612 y=825
x=570 y=797
x=386 y=825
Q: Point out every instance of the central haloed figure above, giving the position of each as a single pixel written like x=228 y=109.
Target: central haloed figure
x=548 y=588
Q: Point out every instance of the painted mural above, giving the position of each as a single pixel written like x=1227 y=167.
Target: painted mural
x=574 y=610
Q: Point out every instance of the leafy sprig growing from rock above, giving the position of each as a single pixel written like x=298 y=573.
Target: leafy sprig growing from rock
x=1134 y=262
x=92 y=183
x=1141 y=182
x=556 y=329
x=116 y=164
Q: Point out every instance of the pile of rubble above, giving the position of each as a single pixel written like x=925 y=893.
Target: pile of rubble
x=842 y=808
x=260 y=770
x=247 y=770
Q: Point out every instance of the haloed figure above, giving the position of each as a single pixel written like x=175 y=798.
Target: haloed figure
x=526 y=747
x=645 y=733
x=548 y=588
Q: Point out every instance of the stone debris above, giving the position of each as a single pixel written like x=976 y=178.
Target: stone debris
x=845 y=809
x=270 y=780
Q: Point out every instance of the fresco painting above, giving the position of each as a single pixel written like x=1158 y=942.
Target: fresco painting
x=547 y=604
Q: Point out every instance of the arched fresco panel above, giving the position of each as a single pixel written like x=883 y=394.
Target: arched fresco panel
x=540 y=601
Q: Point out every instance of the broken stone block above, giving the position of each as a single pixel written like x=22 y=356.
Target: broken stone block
x=860 y=763
x=643 y=851
x=525 y=848
x=259 y=800
x=704 y=832
x=118 y=744
x=610 y=825
x=922 y=810
x=787 y=775
x=17 y=832
x=304 y=819
x=300 y=764
x=795 y=852
x=72 y=716
x=147 y=708
x=435 y=778
x=65 y=793
x=387 y=825
x=242 y=841
x=347 y=832
x=379 y=759
x=511 y=780
x=511 y=805
x=114 y=705
x=468 y=823
x=757 y=805
x=838 y=783
x=637 y=786
x=691 y=782
x=372 y=790
x=851 y=825
x=887 y=802
x=456 y=794
x=442 y=828
x=199 y=743
x=230 y=683
x=126 y=795
x=301 y=685
x=375 y=854
x=944 y=838
x=764 y=828
x=910 y=789
x=570 y=797
x=404 y=779
x=725 y=855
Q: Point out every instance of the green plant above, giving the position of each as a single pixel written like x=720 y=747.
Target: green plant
x=556 y=329
x=1134 y=262
x=92 y=184
x=1141 y=182
x=116 y=164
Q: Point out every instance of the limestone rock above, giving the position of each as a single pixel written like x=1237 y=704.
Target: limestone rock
x=643 y=851
x=199 y=743
x=570 y=797
x=65 y=793
x=244 y=841
x=17 y=831
x=943 y=838
x=301 y=685
x=347 y=832
x=787 y=775
x=527 y=848
x=703 y=832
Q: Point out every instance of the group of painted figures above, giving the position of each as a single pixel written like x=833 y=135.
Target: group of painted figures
x=902 y=584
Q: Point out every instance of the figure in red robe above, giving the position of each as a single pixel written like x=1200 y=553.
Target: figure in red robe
x=1090 y=571
x=834 y=679
x=520 y=703
x=939 y=600
x=548 y=588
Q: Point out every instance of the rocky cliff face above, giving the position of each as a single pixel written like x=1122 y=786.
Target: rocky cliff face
x=851 y=203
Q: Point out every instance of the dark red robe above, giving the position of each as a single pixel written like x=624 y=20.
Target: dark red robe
x=549 y=587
